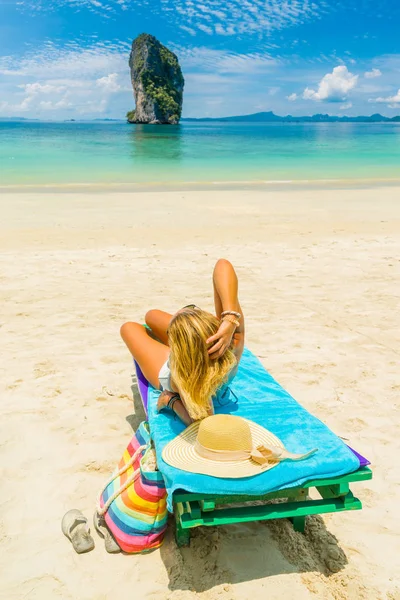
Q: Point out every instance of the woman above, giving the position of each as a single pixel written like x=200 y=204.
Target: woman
x=197 y=353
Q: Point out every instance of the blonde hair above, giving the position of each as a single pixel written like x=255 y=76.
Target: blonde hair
x=196 y=375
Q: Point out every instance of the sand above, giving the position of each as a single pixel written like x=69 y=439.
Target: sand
x=319 y=282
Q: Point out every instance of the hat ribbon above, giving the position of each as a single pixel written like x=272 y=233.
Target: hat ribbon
x=262 y=455
x=220 y=455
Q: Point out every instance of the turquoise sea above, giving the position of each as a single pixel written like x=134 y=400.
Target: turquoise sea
x=36 y=153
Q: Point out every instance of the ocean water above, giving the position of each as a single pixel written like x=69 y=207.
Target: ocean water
x=38 y=153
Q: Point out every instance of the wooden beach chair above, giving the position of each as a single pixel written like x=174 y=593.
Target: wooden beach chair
x=194 y=509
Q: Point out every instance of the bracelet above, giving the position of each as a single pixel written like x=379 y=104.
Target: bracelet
x=172 y=401
x=231 y=312
x=231 y=320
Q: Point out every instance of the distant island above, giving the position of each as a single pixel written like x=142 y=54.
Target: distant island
x=270 y=117
x=261 y=117
x=15 y=119
x=18 y=119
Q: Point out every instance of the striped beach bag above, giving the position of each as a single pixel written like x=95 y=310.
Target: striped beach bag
x=133 y=501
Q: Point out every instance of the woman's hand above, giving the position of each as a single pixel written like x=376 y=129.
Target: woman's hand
x=222 y=340
x=163 y=399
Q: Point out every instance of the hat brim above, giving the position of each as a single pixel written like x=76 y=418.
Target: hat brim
x=180 y=453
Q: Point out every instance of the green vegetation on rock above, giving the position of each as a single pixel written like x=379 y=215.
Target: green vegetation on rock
x=130 y=115
x=157 y=82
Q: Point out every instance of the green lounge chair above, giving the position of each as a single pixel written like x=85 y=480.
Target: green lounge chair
x=195 y=509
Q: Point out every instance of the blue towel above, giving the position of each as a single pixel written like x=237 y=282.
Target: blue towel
x=261 y=399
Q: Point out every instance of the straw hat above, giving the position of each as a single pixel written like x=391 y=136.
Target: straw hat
x=223 y=446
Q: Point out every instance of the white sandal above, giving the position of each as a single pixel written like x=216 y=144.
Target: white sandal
x=75 y=527
x=100 y=525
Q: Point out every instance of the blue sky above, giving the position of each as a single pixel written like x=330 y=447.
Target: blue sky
x=69 y=58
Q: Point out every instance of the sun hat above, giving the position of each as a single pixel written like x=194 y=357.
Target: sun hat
x=226 y=446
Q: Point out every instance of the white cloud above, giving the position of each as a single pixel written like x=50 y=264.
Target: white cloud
x=393 y=100
x=346 y=105
x=188 y=30
x=49 y=105
x=109 y=83
x=102 y=7
x=69 y=60
x=220 y=30
x=220 y=61
x=372 y=74
x=228 y=17
x=238 y=17
x=292 y=97
x=40 y=88
x=67 y=80
x=10 y=108
x=206 y=28
x=333 y=87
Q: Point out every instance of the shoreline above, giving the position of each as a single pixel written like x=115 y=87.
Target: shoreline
x=199 y=186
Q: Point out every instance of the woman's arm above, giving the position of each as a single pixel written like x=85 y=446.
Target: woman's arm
x=182 y=413
x=225 y=283
x=178 y=407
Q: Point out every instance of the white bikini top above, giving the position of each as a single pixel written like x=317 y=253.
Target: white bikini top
x=164 y=377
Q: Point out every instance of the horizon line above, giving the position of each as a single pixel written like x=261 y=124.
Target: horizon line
x=16 y=118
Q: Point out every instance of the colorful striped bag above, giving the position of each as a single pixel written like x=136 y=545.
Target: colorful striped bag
x=133 y=501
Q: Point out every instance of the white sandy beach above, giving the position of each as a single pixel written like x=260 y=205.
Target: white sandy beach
x=319 y=284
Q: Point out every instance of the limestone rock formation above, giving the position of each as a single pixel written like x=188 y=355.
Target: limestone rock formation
x=157 y=82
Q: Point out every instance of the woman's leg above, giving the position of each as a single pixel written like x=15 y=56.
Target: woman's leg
x=148 y=353
x=158 y=321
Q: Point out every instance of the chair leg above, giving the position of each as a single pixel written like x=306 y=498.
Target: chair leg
x=182 y=536
x=299 y=523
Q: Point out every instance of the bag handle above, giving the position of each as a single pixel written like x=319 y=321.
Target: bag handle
x=101 y=510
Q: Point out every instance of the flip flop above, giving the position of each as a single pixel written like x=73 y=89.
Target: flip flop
x=75 y=527
x=100 y=525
